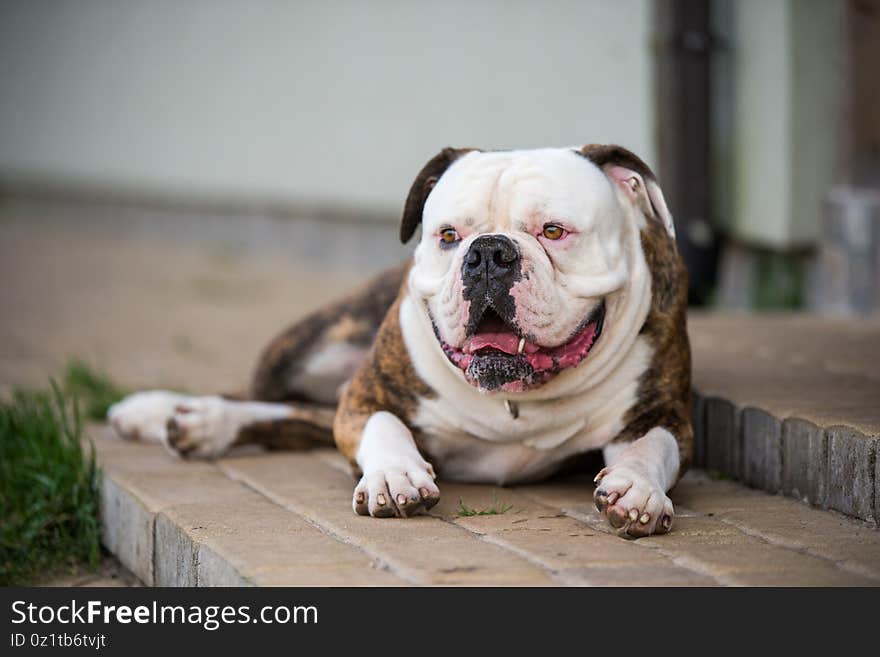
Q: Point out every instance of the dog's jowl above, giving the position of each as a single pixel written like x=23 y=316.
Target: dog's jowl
x=542 y=316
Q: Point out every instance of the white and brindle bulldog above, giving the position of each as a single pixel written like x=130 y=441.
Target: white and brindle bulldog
x=541 y=317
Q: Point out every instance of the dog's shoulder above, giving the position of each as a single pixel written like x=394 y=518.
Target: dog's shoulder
x=387 y=380
x=663 y=397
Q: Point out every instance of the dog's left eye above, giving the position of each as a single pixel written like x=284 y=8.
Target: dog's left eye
x=448 y=237
x=553 y=231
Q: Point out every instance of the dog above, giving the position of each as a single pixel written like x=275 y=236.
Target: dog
x=542 y=317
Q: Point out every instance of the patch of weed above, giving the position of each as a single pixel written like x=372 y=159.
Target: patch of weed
x=497 y=508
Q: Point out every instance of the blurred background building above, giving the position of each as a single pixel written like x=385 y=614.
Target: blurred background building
x=298 y=126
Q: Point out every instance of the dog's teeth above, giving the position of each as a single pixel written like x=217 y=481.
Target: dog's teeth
x=522 y=345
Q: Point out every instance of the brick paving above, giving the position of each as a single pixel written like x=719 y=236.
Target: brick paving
x=788 y=404
x=285 y=518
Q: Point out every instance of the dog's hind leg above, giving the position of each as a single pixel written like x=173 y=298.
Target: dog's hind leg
x=206 y=427
x=311 y=360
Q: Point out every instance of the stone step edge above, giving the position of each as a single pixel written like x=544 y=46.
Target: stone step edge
x=132 y=531
x=833 y=467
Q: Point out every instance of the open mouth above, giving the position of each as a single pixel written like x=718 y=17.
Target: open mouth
x=498 y=357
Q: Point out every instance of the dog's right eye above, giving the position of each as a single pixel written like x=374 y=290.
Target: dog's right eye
x=448 y=237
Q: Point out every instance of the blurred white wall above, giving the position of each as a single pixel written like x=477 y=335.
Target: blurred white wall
x=779 y=90
x=336 y=103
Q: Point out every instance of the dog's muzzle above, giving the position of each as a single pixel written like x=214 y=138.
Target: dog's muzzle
x=496 y=357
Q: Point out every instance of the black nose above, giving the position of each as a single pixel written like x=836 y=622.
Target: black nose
x=490 y=268
x=492 y=255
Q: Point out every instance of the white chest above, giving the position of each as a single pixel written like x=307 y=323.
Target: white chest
x=473 y=436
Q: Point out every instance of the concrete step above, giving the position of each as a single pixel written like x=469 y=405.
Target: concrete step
x=279 y=518
x=791 y=404
x=187 y=524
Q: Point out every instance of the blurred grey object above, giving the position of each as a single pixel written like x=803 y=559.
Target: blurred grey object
x=847 y=275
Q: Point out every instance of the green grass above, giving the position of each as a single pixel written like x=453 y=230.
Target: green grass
x=94 y=391
x=496 y=509
x=778 y=281
x=49 y=480
x=717 y=475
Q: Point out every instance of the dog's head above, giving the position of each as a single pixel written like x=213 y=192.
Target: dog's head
x=524 y=255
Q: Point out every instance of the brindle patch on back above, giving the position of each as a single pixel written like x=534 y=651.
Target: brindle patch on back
x=281 y=372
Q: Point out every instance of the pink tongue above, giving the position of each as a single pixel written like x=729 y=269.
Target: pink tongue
x=506 y=342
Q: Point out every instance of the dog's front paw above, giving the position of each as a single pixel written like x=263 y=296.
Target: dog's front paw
x=201 y=427
x=144 y=415
x=402 y=489
x=632 y=504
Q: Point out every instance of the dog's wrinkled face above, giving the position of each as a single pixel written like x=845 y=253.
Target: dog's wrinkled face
x=522 y=253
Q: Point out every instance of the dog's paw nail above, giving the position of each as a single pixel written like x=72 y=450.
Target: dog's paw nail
x=666 y=522
x=633 y=514
x=645 y=518
x=423 y=492
x=360 y=498
x=380 y=499
x=613 y=498
x=401 y=498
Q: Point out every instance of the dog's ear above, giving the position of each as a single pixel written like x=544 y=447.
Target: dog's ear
x=626 y=170
x=422 y=186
